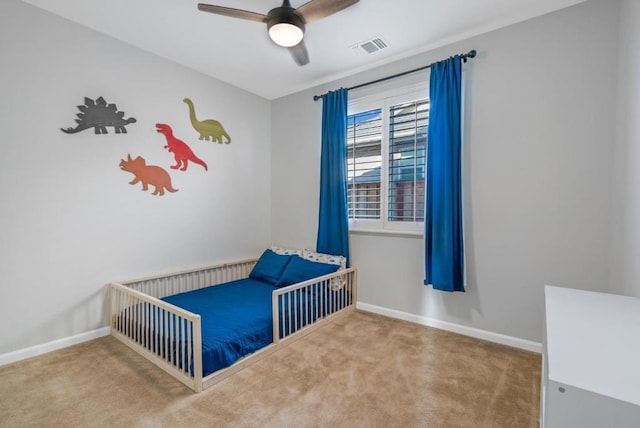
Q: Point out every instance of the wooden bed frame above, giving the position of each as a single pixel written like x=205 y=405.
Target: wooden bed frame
x=133 y=303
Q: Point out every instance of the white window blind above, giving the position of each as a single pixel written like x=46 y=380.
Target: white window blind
x=364 y=159
x=407 y=152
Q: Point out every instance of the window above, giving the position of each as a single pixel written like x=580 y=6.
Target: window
x=386 y=152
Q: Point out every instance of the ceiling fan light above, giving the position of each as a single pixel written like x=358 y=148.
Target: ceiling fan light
x=286 y=34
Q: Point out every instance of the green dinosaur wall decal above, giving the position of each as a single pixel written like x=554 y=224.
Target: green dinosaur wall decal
x=209 y=130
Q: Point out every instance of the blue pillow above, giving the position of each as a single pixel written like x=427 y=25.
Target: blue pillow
x=269 y=267
x=300 y=269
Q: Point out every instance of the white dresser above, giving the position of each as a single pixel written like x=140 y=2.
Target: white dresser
x=591 y=360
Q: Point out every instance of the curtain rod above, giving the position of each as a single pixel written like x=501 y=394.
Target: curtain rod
x=471 y=54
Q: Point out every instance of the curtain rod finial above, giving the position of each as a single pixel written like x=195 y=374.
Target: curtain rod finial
x=471 y=54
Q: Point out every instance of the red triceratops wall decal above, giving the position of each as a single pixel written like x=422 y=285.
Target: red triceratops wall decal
x=148 y=175
x=181 y=151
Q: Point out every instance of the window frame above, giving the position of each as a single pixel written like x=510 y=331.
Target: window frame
x=385 y=100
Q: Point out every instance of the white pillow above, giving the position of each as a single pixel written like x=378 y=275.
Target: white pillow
x=285 y=251
x=324 y=258
x=336 y=283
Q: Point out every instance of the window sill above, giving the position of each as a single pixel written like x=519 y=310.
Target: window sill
x=392 y=233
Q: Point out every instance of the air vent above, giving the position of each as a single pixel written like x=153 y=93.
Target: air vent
x=370 y=46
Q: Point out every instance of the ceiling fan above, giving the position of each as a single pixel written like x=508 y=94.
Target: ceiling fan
x=285 y=24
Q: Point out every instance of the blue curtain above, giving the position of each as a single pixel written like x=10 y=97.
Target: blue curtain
x=333 y=223
x=444 y=249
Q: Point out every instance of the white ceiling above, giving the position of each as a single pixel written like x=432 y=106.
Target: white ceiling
x=239 y=52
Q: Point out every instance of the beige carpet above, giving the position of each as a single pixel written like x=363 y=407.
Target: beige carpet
x=363 y=370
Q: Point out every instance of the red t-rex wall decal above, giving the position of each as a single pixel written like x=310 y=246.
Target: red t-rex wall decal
x=148 y=175
x=182 y=152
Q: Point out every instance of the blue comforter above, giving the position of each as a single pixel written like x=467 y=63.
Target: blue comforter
x=235 y=318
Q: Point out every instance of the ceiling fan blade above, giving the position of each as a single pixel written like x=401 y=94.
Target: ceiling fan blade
x=234 y=13
x=317 y=9
x=299 y=53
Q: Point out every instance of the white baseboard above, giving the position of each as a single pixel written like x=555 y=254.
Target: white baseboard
x=454 y=328
x=44 y=348
x=515 y=342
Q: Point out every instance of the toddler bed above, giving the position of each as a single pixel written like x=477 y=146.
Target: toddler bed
x=205 y=324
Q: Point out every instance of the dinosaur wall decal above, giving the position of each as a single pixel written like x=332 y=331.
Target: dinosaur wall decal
x=181 y=151
x=98 y=115
x=210 y=130
x=148 y=175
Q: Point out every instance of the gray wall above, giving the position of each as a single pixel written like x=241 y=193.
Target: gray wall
x=539 y=142
x=551 y=173
x=70 y=222
x=626 y=197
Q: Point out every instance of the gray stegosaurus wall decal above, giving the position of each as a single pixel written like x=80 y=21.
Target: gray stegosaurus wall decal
x=99 y=115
